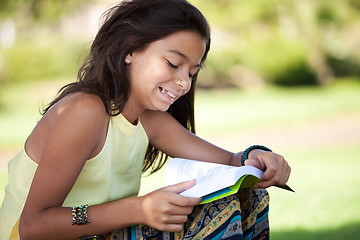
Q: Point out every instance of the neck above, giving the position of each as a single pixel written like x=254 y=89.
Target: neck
x=131 y=115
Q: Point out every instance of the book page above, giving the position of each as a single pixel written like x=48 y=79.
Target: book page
x=180 y=170
x=210 y=177
x=211 y=183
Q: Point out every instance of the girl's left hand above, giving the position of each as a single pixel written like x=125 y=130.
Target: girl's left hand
x=276 y=168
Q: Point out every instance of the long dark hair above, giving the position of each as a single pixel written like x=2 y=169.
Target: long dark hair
x=131 y=26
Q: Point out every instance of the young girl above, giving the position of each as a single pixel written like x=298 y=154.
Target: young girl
x=79 y=172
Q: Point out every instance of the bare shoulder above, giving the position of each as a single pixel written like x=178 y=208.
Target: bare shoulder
x=83 y=110
x=78 y=114
x=77 y=107
x=84 y=103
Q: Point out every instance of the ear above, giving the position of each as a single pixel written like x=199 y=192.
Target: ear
x=129 y=58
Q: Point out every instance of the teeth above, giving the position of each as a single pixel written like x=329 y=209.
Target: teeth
x=168 y=93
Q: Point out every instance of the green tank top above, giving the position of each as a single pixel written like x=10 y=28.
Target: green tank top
x=115 y=173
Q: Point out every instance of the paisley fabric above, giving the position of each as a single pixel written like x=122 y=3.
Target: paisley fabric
x=240 y=216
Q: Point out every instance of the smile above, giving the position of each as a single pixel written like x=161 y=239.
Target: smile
x=164 y=91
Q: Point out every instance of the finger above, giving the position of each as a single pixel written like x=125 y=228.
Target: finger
x=172 y=209
x=177 y=210
x=264 y=184
x=251 y=162
x=180 y=187
x=282 y=174
x=182 y=201
x=171 y=224
x=173 y=227
x=176 y=219
x=271 y=177
x=270 y=172
x=279 y=179
x=286 y=175
x=179 y=200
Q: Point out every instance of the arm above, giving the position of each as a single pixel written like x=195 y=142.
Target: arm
x=75 y=125
x=169 y=136
x=172 y=138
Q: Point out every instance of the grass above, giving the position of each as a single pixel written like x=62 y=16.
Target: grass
x=324 y=168
x=347 y=231
x=325 y=182
x=236 y=109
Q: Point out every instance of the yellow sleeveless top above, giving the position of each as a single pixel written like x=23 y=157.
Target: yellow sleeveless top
x=113 y=174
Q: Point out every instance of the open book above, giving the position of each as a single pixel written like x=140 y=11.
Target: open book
x=213 y=181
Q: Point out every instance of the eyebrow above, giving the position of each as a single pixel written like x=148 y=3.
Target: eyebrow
x=183 y=56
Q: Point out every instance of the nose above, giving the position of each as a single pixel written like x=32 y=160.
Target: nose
x=183 y=80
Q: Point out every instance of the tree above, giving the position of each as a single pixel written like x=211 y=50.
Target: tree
x=38 y=10
x=318 y=28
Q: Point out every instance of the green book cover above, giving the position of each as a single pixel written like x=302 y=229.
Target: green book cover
x=244 y=182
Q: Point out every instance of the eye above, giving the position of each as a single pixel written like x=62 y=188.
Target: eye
x=172 y=65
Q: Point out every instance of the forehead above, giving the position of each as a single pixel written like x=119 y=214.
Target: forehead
x=188 y=43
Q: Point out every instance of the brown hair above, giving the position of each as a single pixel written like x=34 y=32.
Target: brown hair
x=132 y=26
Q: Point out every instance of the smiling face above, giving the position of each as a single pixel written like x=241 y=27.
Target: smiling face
x=163 y=72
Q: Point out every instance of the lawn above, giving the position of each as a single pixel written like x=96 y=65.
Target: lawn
x=316 y=129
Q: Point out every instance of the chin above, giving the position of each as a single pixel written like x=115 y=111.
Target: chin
x=159 y=106
x=163 y=108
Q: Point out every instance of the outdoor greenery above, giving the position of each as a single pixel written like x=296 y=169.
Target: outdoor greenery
x=56 y=62
x=38 y=10
x=281 y=42
x=324 y=172
x=285 y=42
x=259 y=49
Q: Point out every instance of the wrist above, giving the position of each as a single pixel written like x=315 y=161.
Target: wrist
x=140 y=210
x=235 y=159
x=245 y=155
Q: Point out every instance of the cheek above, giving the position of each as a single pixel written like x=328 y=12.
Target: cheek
x=158 y=73
x=161 y=76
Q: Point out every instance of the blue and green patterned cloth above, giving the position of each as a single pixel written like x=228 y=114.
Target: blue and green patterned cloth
x=240 y=216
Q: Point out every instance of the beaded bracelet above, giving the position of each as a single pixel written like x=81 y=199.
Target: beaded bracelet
x=245 y=154
x=79 y=214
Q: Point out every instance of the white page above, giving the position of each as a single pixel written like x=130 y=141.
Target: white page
x=210 y=177
x=180 y=170
x=211 y=183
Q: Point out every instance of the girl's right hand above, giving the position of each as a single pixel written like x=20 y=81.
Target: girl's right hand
x=166 y=210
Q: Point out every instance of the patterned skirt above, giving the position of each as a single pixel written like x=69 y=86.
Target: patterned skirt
x=240 y=216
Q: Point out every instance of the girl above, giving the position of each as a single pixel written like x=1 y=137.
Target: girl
x=79 y=172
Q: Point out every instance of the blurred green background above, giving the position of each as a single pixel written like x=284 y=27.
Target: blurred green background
x=285 y=74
